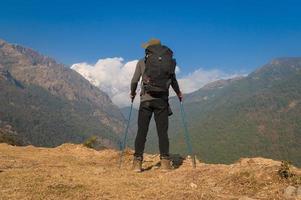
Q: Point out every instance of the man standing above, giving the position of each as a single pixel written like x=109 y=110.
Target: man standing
x=157 y=70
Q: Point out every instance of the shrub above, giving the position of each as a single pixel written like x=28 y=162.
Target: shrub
x=90 y=142
x=286 y=172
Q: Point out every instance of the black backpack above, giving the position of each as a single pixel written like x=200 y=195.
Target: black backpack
x=159 y=67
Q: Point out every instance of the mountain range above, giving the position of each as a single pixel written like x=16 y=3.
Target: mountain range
x=255 y=115
x=47 y=103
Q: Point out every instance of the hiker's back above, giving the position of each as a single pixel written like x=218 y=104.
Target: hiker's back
x=158 y=73
x=159 y=66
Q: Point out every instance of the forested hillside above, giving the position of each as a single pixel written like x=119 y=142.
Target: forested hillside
x=257 y=115
x=48 y=104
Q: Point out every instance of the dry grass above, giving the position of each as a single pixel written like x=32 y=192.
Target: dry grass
x=76 y=172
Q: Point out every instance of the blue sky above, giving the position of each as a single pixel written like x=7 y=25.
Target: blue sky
x=227 y=35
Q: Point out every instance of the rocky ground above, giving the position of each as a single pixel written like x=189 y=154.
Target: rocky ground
x=76 y=172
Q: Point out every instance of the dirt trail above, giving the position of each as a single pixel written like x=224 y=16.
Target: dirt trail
x=76 y=172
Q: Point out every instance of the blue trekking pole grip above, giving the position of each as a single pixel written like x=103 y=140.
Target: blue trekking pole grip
x=186 y=134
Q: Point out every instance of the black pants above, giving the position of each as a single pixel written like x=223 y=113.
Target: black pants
x=160 y=109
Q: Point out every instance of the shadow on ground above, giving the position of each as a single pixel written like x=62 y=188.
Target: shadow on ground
x=176 y=162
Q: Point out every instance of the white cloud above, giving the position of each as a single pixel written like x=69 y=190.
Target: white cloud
x=197 y=79
x=113 y=76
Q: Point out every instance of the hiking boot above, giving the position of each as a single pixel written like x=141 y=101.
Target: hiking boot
x=137 y=165
x=165 y=164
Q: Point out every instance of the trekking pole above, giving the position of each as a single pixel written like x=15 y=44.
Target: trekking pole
x=123 y=145
x=186 y=134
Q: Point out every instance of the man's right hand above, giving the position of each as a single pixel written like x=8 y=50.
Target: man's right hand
x=132 y=96
x=180 y=96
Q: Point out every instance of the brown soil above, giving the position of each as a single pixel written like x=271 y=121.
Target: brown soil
x=76 y=172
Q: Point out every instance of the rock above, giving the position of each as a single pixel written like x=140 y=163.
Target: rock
x=193 y=185
x=289 y=192
x=299 y=192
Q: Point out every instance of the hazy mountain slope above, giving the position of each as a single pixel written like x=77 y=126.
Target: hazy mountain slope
x=50 y=104
x=256 y=115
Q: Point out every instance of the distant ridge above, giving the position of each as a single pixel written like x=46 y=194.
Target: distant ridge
x=49 y=104
x=256 y=115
